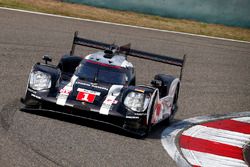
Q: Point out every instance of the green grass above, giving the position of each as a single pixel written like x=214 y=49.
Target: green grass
x=130 y=18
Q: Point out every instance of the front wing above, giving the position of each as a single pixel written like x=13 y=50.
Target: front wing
x=135 y=124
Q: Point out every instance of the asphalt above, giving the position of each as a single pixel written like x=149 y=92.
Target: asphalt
x=216 y=80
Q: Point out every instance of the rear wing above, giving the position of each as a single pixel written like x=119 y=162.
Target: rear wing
x=128 y=51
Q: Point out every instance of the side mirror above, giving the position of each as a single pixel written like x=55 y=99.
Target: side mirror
x=47 y=59
x=156 y=83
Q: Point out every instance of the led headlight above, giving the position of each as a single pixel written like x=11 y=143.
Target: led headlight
x=39 y=80
x=137 y=101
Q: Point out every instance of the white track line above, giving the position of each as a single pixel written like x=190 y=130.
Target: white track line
x=124 y=25
x=243 y=119
x=210 y=160
x=218 y=135
x=169 y=135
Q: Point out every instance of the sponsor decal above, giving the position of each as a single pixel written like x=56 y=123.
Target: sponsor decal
x=140 y=114
x=89 y=91
x=158 y=111
x=99 y=87
x=140 y=90
x=92 y=84
x=63 y=95
x=61 y=99
x=132 y=117
x=65 y=91
x=162 y=109
x=110 y=99
x=106 y=106
x=35 y=96
x=82 y=83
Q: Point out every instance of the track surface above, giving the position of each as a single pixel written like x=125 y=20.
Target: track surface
x=216 y=81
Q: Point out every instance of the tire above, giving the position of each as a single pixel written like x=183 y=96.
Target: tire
x=149 y=126
x=30 y=104
x=176 y=95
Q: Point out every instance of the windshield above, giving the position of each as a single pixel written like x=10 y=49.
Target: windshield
x=98 y=72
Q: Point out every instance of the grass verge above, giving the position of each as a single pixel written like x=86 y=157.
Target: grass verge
x=130 y=18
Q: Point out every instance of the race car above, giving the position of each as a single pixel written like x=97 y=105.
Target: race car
x=102 y=87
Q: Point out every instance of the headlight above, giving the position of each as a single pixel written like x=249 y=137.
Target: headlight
x=137 y=101
x=39 y=80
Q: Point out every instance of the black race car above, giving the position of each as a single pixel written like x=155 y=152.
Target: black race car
x=101 y=87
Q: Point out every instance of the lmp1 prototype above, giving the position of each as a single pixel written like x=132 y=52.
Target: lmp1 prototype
x=101 y=87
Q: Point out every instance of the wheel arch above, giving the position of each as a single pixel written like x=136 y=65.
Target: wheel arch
x=168 y=85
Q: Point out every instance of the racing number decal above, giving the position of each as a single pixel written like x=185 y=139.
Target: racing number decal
x=87 y=97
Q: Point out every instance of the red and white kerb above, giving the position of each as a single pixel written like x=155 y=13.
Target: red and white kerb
x=218 y=143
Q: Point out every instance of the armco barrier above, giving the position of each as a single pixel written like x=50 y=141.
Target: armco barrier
x=228 y=12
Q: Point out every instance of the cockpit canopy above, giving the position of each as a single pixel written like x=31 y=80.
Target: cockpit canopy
x=93 y=71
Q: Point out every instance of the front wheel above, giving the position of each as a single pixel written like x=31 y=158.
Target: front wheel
x=174 y=107
x=30 y=103
x=149 y=125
